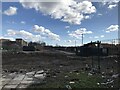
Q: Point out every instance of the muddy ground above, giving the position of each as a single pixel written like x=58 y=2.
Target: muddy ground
x=58 y=65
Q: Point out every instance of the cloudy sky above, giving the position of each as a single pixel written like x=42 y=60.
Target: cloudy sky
x=60 y=23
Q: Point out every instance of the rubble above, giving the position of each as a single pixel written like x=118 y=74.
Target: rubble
x=90 y=74
x=71 y=82
x=66 y=76
x=116 y=61
x=22 y=80
x=109 y=81
x=98 y=83
x=39 y=76
x=115 y=75
x=68 y=87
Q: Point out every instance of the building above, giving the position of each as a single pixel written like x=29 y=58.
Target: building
x=6 y=44
x=4 y=41
x=21 y=42
x=92 y=49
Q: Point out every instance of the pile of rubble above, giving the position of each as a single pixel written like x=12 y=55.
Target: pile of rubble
x=21 y=80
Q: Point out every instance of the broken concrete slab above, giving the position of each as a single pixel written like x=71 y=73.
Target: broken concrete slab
x=40 y=72
x=22 y=86
x=20 y=80
x=30 y=74
x=68 y=87
x=39 y=76
x=27 y=82
x=10 y=86
x=26 y=78
x=19 y=77
x=1 y=87
x=5 y=81
x=14 y=82
x=71 y=82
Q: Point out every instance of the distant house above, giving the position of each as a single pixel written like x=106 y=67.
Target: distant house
x=6 y=44
x=112 y=48
x=21 y=42
x=4 y=40
x=92 y=49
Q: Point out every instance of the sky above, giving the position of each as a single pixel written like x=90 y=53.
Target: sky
x=60 y=23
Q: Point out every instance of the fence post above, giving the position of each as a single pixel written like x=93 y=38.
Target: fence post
x=98 y=56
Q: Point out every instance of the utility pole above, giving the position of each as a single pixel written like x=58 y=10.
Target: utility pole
x=82 y=38
x=75 y=43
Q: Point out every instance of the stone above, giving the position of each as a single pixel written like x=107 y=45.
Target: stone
x=90 y=74
x=40 y=72
x=71 y=82
x=39 y=76
x=68 y=87
x=98 y=83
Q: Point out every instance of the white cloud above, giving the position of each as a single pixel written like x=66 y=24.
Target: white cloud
x=110 y=3
x=102 y=36
x=24 y=34
x=99 y=14
x=68 y=31
x=87 y=17
x=46 y=32
x=10 y=38
x=90 y=37
x=69 y=11
x=11 y=32
x=68 y=41
x=112 y=28
x=77 y=33
x=96 y=37
x=23 y=22
x=112 y=6
x=10 y=11
x=0 y=11
x=67 y=27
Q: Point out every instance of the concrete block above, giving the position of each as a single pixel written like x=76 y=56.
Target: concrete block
x=39 y=76
x=30 y=74
x=19 y=77
x=40 y=72
x=27 y=82
x=27 y=78
x=14 y=82
x=5 y=81
x=22 y=86
x=10 y=86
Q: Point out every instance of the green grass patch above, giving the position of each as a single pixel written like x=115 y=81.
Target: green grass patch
x=82 y=80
